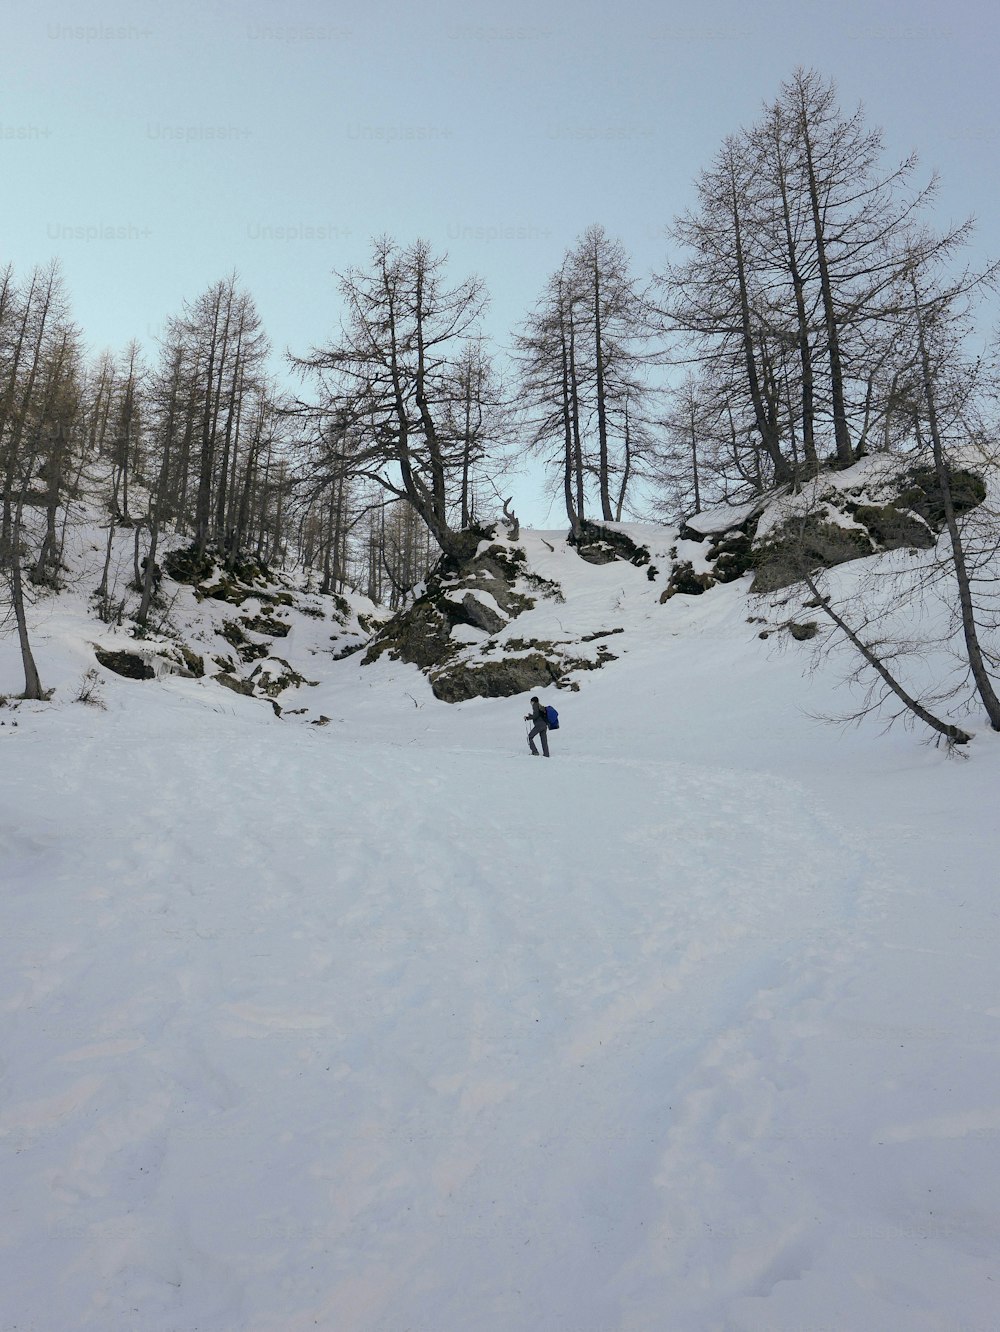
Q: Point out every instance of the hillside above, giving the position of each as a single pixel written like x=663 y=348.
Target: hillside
x=380 y=1024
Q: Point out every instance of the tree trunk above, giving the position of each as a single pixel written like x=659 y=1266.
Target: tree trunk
x=32 y=683
x=977 y=663
x=602 y=405
x=802 y=324
x=572 y=513
x=626 y=466
x=841 y=433
x=694 y=460
x=763 y=416
x=575 y=419
x=953 y=734
x=149 y=579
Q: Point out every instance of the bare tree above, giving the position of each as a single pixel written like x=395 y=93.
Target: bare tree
x=787 y=294
x=548 y=359
x=394 y=377
x=937 y=325
x=582 y=358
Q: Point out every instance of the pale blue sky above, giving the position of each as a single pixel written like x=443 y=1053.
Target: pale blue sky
x=197 y=133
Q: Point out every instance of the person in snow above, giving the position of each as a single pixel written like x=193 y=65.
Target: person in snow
x=540 y=727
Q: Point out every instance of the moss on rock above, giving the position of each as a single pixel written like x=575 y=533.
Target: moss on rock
x=732 y=553
x=893 y=526
x=684 y=581
x=493 y=679
x=601 y=545
x=195 y=665
x=187 y=565
x=421 y=634
x=272 y=682
x=926 y=497
x=266 y=625
x=803 y=632
x=237 y=639
x=803 y=545
x=235 y=684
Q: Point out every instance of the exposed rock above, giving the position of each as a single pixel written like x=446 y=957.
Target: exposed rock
x=601 y=633
x=684 y=580
x=233 y=580
x=274 y=682
x=129 y=664
x=893 y=527
x=733 y=552
x=421 y=634
x=730 y=555
x=277 y=598
x=802 y=545
x=234 y=683
x=689 y=533
x=803 y=632
x=265 y=624
x=596 y=552
x=237 y=639
x=194 y=663
x=601 y=545
x=925 y=497
x=226 y=589
x=911 y=518
x=493 y=679
x=481 y=614
x=178 y=659
x=370 y=624
x=187 y=566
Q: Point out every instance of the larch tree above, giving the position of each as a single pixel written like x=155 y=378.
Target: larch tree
x=547 y=354
x=394 y=376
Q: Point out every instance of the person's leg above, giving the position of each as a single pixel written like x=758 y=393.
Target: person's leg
x=531 y=739
x=543 y=735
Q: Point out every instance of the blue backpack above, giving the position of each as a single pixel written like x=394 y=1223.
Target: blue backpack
x=553 y=717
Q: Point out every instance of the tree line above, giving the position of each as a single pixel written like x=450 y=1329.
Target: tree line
x=808 y=314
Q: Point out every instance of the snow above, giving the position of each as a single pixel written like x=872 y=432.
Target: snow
x=713 y=522
x=380 y=1025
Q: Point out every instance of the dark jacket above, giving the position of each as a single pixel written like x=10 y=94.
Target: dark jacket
x=539 y=716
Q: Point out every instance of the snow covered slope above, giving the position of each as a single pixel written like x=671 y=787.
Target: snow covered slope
x=384 y=1024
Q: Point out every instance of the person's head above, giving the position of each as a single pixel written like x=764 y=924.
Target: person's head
x=534 y=698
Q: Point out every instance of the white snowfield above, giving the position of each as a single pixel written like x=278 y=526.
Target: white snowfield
x=386 y=1026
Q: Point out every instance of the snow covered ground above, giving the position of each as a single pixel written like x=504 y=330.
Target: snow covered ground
x=385 y=1026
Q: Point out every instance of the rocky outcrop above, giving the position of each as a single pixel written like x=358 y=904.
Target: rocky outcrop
x=264 y=600
x=481 y=614
x=493 y=679
x=132 y=665
x=902 y=512
x=729 y=555
x=803 y=545
x=485 y=593
x=830 y=526
x=602 y=545
x=273 y=677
